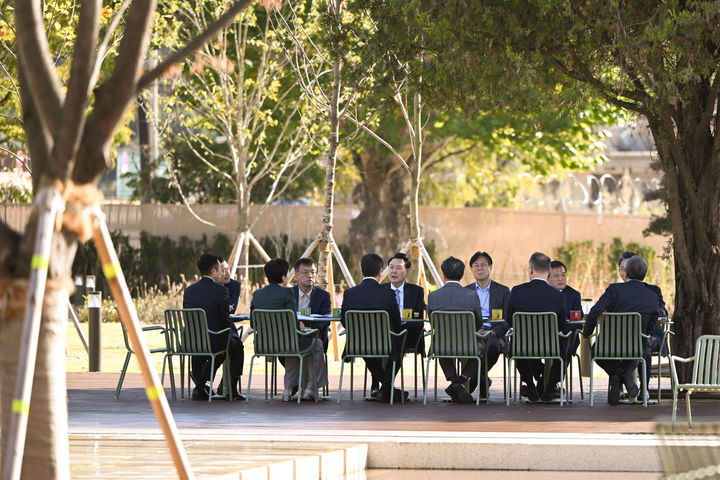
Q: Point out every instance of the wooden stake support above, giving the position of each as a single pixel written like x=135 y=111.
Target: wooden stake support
x=244 y=240
x=129 y=317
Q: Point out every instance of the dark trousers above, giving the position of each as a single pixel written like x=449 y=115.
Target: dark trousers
x=381 y=371
x=534 y=369
x=201 y=365
x=492 y=347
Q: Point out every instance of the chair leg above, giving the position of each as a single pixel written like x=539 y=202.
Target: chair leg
x=326 y=388
x=426 y=372
x=689 y=410
x=402 y=382
x=247 y=397
x=352 y=374
x=436 y=377
x=212 y=377
x=415 y=374
x=422 y=370
x=674 y=408
x=659 y=373
x=171 y=372
x=643 y=387
x=580 y=376
x=563 y=391
x=122 y=375
x=479 y=372
x=342 y=368
x=365 y=383
x=592 y=364
x=300 y=380
x=182 y=376
x=508 y=385
x=392 y=383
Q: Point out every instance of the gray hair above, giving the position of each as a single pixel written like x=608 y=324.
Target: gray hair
x=636 y=268
x=540 y=262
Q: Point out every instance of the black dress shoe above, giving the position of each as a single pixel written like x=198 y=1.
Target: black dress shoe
x=451 y=391
x=550 y=394
x=400 y=395
x=200 y=394
x=461 y=395
x=383 y=396
x=531 y=393
x=374 y=392
x=614 y=390
x=628 y=379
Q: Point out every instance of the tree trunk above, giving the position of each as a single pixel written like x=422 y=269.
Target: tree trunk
x=329 y=191
x=381 y=195
x=691 y=162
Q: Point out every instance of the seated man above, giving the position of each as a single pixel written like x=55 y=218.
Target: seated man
x=232 y=285
x=407 y=295
x=370 y=295
x=573 y=300
x=658 y=332
x=538 y=296
x=492 y=296
x=209 y=294
x=452 y=296
x=276 y=297
x=630 y=296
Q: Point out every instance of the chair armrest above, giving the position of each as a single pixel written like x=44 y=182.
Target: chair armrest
x=427 y=333
x=219 y=332
x=342 y=332
x=509 y=333
x=399 y=334
x=673 y=371
x=644 y=336
x=150 y=328
x=483 y=335
x=564 y=335
x=307 y=332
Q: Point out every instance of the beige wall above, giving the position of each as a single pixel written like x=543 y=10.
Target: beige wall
x=510 y=236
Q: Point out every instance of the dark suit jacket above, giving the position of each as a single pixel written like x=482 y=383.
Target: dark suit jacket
x=630 y=296
x=319 y=304
x=370 y=295
x=276 y=297
x=658 y=332
x=499 y=297
x=536 y=296
x=213 y=298
x=233 y=294
x=573 y=300
x=413 y=297
x=452 y=296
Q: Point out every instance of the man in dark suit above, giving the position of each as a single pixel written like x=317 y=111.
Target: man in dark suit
x=209 y=294
x=629 y=296
x=573 y=301
x=370 y=295
x=492 y=296
x=311 y=297
x=452 y=296
x=655 y=342
x=275 y=296
x=407 y=295
x=232 y=285
x=538 y=296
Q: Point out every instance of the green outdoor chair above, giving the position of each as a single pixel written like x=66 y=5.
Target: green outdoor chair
x=276 y=335
x=705 y=375
x=188 y=336
x=667 y=332
x=453 y=335
x=369 y=336
x=535 y=335
x=619 y=337
x=130 y=352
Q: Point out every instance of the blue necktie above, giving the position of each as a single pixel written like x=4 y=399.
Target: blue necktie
x=398 y=301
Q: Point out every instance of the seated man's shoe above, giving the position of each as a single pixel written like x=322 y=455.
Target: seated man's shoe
x=481 y=389
x=550 y=394
x=451 y=391
x=287 y=395
x=310 y=395
x=614 y=390
x=461 y=395
x=383 y=395
x=374 y=392
x=201 y=393
x=628 y=379
x=400 y=395
x=235 y=394
x=531 y=393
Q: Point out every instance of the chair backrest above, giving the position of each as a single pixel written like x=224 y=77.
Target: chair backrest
x=275 y=332
x=619 y=336
x=453 y=334
x=187 y=330
x=368 y=333
x=535 y=334
x=706 y=368
x=124 y=330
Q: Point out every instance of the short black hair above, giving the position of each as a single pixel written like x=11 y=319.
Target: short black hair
x=275 y=269
x=557 y=264
x=625 y=256
x=207 y=262
x=403 y=257
x=636 y=268
x=540 y=262
x=453 y=268
x=304 y=261
x=477 y=255
x=371 y=264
